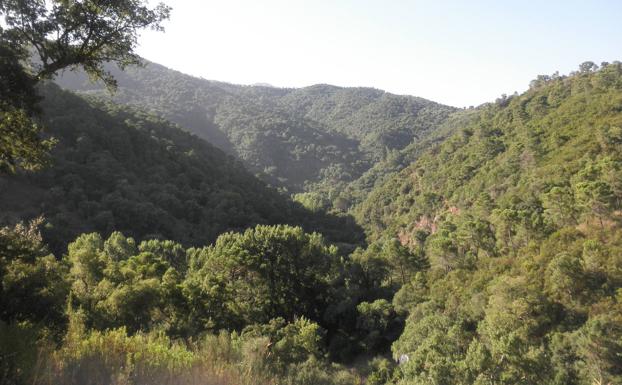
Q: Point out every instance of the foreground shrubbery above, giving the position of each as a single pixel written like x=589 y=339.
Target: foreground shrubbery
x=116 y=358
x=269 y=305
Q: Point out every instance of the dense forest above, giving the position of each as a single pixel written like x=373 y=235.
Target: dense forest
x=300 y=140
x=115 y=168
x=183 y=231
x=518 y=215
x=494 y=258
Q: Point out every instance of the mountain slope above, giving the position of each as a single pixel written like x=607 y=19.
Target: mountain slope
x=517 y=147
x=115 y=168
x=519 y=216
x=352 y=193
x=292 y=137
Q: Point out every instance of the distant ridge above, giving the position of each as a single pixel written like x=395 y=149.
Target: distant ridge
x=297 y=139
x=263 y=85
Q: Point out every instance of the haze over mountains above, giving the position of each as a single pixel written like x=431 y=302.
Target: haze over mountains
x=293 y=138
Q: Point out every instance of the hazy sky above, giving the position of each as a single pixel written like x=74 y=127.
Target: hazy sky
x=456 y=52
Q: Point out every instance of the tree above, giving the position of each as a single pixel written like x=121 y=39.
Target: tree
x=32 y=282
x=587 y=67
x=476 y=235
x=116 y=285
x=264 y=273
x=560 y=206
x=600 y=347
x=379 y=325
x=597 y=198
x=61 y=34
x=369 y=268
x=565 y=278
x=86 y=33
x=516 y=315
x=20 y=143
x=411 y=294
x=506 y=222
x=402 y=260
x=435 y=346
x=290 y=342
x=442 y=249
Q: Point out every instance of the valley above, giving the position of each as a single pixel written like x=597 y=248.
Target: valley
x=160 y=228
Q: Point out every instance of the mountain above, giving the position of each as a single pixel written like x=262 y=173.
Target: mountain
x=518 y=214
x=117 y=168
x=493 y=256
x=352 y=193
x=518 y=147
x=297 y=139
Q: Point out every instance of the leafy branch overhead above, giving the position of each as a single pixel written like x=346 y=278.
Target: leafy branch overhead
x=40 y=38
x=68 y=34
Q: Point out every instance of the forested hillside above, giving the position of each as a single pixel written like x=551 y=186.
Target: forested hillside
x=485 y=246
x=494 y=258
x=298 y=139
x=343 y=195
x=518 y=215
x=116 y=168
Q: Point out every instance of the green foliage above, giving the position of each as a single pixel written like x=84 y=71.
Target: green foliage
x=312 y=201
x=382 y=371
x=59 y=35
x=135 y=318
x=494 y=258
x=115 y=285
x=114 y=357
x=21 y=143
x=33 y=283
x=118 y=169
x=261 y=274
x=289 y=343
x=403 y=261
x=85 y=34
x=518 y=215
x=19 y=353
x=276 y=353
x=317 y=138
x=378 y=324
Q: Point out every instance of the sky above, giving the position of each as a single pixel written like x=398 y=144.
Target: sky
x=460 y=53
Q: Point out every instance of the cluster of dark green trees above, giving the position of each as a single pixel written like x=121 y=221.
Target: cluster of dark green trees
x=115 y=168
